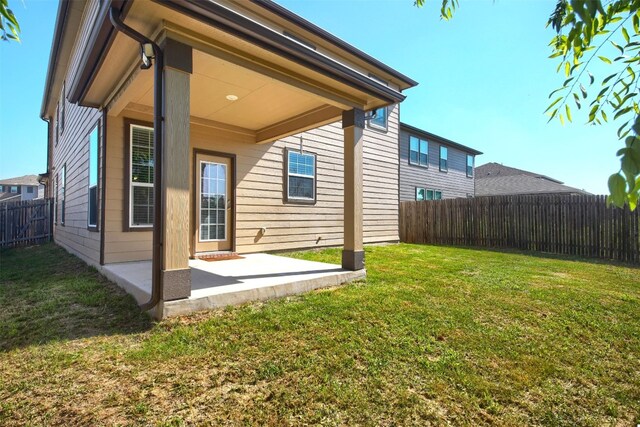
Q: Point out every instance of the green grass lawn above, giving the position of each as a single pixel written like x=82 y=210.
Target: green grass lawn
x=435 y=336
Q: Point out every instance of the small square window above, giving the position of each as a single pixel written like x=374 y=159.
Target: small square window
x=30 y=190
x=437 y=195
x=429 y=194
x=14 y=189
x=420 y=194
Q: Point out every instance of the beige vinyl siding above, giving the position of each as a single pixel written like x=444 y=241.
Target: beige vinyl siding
x=72 y=151
x=453 y=183
x=260 y=186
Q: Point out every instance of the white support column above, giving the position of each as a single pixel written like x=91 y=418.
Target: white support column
x=176 y=275
x=353 y=253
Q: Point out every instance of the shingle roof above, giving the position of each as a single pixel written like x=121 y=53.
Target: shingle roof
x=493 y=179
x=21 y=180
x=420 y=132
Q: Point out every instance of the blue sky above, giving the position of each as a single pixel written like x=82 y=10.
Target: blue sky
x=484 y=81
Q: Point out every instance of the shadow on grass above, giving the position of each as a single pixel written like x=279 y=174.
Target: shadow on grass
x=49 y=295
x=539 y=254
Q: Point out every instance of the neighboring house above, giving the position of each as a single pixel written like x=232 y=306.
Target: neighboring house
x=266 y=146
x=432 y=167
x=494 y=179
x=20 y=188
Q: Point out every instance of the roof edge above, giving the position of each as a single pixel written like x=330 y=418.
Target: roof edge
x=406 y=127
x=288 y=15
x=61 y=20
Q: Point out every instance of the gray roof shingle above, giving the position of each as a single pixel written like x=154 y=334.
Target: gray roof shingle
x=493 y=179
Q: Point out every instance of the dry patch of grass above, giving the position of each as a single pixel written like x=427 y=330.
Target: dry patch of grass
x=435 y=336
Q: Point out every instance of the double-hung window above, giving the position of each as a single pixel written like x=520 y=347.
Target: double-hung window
x=443 y=158
x=141 y=161
x=418 y=151
x=92 y=215
x=62 y=189
x=470 y=165
x=300 y=177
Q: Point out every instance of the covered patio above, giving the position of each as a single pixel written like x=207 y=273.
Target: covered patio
x=215 y=284
x=229 y=79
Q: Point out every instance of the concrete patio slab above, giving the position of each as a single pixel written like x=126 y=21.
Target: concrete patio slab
x=217 y=284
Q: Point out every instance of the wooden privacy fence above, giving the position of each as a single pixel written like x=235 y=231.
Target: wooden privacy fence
x=562 y=224
x=26 y=223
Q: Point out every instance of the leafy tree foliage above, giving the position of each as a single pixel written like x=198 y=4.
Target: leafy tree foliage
x=590 y=31
x=9 y=27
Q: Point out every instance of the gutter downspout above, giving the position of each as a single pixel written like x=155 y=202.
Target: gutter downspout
x=156 y=262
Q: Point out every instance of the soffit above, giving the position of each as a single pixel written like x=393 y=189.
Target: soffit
x=155 y=20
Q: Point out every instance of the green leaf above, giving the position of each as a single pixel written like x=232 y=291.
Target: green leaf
x=584 y=91
x=606 y=80
x=553 y=103
x=625 y=34
x=591 y=78
x=567 y=69
x=605 y=59
x=617 y=187
x=568 y=111
x=618 y=47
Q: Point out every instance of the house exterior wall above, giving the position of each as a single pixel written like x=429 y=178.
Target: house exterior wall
x=71 y=150
x=24 y=192
x=260 y=181
x=260 y=189
x=453 y=183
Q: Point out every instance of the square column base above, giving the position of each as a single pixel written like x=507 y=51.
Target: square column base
x=352 y=260
x=176 y=284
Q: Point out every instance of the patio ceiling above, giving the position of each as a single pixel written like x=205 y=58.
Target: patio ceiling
x=276 y=94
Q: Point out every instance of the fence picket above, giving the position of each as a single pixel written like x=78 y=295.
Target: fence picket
x=26 y=222
x=573 y=225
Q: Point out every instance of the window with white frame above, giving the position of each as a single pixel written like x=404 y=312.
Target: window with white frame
x=444 y=158
x=94 y=143
x=62 y=188
x=300 y=177
x=141 y=161
x=437 y=195
x=420 y=194
x=470 y=165
x=14 y=189
x=63 y=102
x=30 y=190
x=380 y=119
x=418 y=151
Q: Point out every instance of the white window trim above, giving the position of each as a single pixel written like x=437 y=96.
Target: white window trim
x=89 y=186
x=137 y=184
x=446 y=159
x=313 y=177
x=63 y=194
x=424 y=165
x=226 y=223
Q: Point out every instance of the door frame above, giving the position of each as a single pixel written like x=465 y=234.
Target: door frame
x=194 y=200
